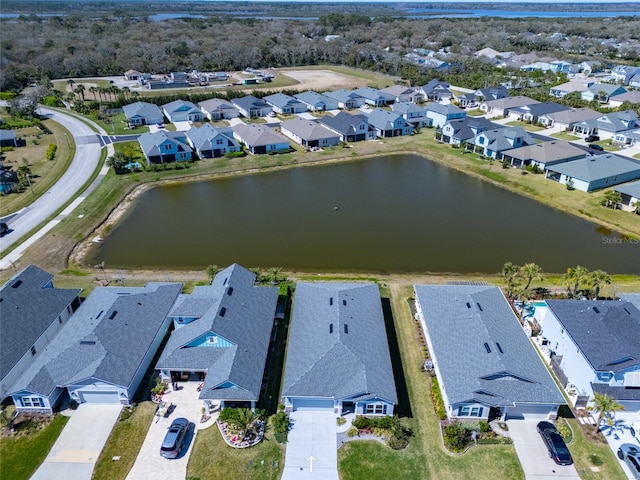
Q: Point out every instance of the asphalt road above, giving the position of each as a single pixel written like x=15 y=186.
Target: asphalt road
x=85 y=161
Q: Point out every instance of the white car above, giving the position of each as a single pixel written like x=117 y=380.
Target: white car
x=635 y=429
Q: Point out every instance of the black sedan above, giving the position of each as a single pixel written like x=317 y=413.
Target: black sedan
x=558 y=450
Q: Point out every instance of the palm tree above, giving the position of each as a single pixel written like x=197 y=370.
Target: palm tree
x=611 y=199
x=574 y=277
x=531 y=271
x=80 y=88
x=510 y=273
x=604 y=405
x=274 y=274
x=212 y=270
x=245 y=423
x=597 y=279
x=636 y=207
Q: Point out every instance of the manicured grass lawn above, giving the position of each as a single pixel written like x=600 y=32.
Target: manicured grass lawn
x=527 y=126
x=582 y=448
x=476 y=112
x=117 y=125
x=212 y=459
x=21 y=456
x=565 y=136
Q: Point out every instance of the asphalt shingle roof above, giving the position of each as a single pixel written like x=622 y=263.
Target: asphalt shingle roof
x=632 y=189
x=546 y=152
x=344 y=122
x=150 y=142
x=256 y=135
x=596 y=167
x=384 y=119
x=216 y=104
x=142 y=109
x=202 y=138
x=460 y=321
x=308 y=129
x=338 y=343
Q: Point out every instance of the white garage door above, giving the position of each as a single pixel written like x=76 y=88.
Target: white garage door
x=99 y=397
x=312 y=404
x=533 y=412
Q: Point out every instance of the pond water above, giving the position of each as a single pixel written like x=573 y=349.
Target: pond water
x=400 y=213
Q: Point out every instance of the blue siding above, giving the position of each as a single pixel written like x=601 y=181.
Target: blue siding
x=210 y=340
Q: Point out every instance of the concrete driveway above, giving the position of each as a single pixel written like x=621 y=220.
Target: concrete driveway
x=313 y=434
x=74 y=454
x=619 y=433
x=533 y=454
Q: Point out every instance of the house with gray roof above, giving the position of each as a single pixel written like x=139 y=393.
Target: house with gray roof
x=632 y=96
x=389 y=124
x=474 y=99
x=595 y=348
x=252 y=107
x=440 y=114
x=491 y=143
x=436 y=90
x=485 y=364
x=401 y=93
x=602 y=92
x=102 y=353
x=285 y=104
x=461 y=130
x=164 y=146
x=216 y=109
x=182 y=111
x=309 y=133
x=8 y=138
x=502 y=106
x=531 y=113
x=212 y=142
x=627 y=137
x=338 y=354
x=414 y=114
x=143 y=113
x=575 y=85
x=375 y=97
x=222 y=333
x=630 y=193
x=624 y=73
x=259 y=139
x=347 y=99
x=32 y=313
x=608 y=125
x=594 y=172
x=351 y=128
x=543 y=154
x=566 y=119
x=317 y=102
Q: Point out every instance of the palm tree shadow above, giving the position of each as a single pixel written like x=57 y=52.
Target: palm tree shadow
x=613 y=427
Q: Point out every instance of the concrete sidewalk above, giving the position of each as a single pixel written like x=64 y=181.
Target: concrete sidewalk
x=78 y=447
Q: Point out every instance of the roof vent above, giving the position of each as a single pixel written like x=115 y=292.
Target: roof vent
x=499 y=347
x=331 y=328
x=223 y=310
x=624 y=308
x=595 y=309
x=468 y=305
x=113 y=315
x=346 y=328
x=230 y=291
x=16 y=284
x=344 y=302
x=487 y=347
x=479 y=307
x=87 y=342
x=331 y=301
x=99 y=314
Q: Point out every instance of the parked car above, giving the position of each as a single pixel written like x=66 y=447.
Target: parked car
x=592 y=138
x=4 y=228
x=597 y=147
x=558 y=450
x=635 y=429
x=630 y=454
x=173 y=440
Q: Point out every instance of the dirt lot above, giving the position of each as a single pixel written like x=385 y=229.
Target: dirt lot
x=324 y=79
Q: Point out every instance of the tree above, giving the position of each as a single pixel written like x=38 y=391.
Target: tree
x=596 y=280
x=244 y=422
x=636 y=207
x=510 y=275
x=212 y=270
x=274 y=274
x=574 y=277
x=118 y=161
x=604 y=405
x=611 y=199
x=531 y=272
x=80 y=88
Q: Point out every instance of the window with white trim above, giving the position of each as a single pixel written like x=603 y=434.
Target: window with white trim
x=470 y=411
x=375 y=408
x=32 y=402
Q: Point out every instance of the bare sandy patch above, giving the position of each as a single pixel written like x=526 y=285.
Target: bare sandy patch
x=324 y=79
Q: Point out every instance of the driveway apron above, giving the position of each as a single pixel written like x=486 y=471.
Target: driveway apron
x=313 y=435
x=76 y=451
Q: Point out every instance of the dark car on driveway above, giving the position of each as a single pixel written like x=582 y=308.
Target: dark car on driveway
x=173 y=440
x=630 y=454
x=592 y=138
x=558 y=450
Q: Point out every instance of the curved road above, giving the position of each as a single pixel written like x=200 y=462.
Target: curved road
x=87 y=157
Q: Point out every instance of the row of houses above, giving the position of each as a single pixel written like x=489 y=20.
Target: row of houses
x=338 y=354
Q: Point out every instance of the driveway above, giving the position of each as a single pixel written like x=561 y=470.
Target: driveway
x=533 y=454
x=74 y=454
x=313 y=434
x=619 y=433
x=149 y=464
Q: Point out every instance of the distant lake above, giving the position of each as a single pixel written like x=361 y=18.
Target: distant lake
x=400 y=213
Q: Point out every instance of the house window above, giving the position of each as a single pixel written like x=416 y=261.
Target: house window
x=481 y=140
x=32 y=402
x=33 y=350
x=219 y=141
x=167 y=146
x=470 y=411
x=213 y=340
x=375 y=408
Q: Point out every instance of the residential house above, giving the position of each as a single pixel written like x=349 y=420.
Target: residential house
x=33 y=312
x=632 y=97
x=475 y=99
x=347 y=99
x=485 y=364
x=501 y=107
x=143 y=113
x=566 y=119
x=543 y=155
x=212 y=142
x=338 y=356
x=630 y=193
x=532 y=67
x=575 y=85
x=634 y=81
x=531 y=113
x=627 y=138
x=389 y=124
x=602 y=92
x=182 y=111
x=491 y=143
x=252 y=107
x=165 y=147
x=309 y=133
x=222 y=334
x=608 y=125
x=594 y=172
x=8 y=181
x=216 y=109
x=437 y=91
x=316 y=102
x=285 y=104
x=103 y=352
x=440 y=114
x=375 y=97
x=416 y=115
x=404 y=94
x=259 y=139
x=8 y=138
x=624 y=73
x=351 y=128
x=461 y=130
x=132 y=75
x=560 y=66
x=595 y=348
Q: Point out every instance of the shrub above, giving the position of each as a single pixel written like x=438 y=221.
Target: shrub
x=361 y=422
x=456 y=437
x=564 y=430
x=595 y=460
x=341 y=421
x=281 y=422
x=352 y=432
x=484 y=426
x=436 y=396
x=51 y=151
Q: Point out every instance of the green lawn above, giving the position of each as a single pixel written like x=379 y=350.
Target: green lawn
x=527 y=126
x=21 y=456
x=582 y=448
x=565 y=136
x=476 y=112
x=117 y=125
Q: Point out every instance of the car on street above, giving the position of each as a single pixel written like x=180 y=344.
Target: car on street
x=558 y=450
x=630 y=454
x=595 y=146
x=173 y=440
x=4 y=228
x=592 y=138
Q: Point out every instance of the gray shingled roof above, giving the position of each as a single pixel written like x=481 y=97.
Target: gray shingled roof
x=256 y=135
x=281 y=100
x=247 y=323
x=510 y=102
x=27 y=309
x=202 y=138
x=463 y=128
x=313 y=98
x=498 y=139
x=107 y=338
x=406 y=107
x=546 y=152
x=539 y=109
x=632 y=189
x=142 y=109
x=343 y=122
x=607 y=332
x=7 y=135
x=338 y=348
x=216 y=104
x=631 y=297
x=448 y=109
x=573 y=115
x=150 y=142
x=181 y=105
x=248 y=102
x=596 y=167
x=308 y=130
x=343 y=95
x=460 y=320
x=613 y=122
x=383 y=119
x=374 y=94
